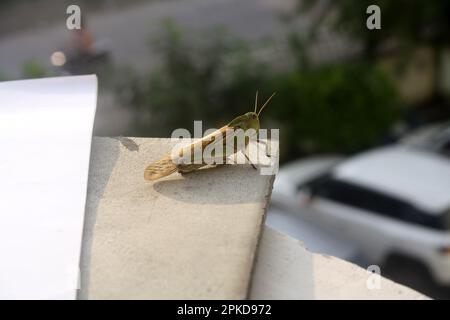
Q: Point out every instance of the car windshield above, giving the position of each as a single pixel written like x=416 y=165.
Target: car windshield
x=376 y=202
x=440 y=140
x=445 y=221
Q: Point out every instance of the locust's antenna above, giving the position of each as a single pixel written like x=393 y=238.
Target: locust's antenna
x=266 y=103
x=256 y=100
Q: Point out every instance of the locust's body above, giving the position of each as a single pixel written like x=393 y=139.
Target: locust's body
x=166 y=166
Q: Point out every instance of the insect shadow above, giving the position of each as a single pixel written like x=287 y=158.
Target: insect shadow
x=226 y=184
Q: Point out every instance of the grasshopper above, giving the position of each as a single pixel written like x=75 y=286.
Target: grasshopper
x=166 y=165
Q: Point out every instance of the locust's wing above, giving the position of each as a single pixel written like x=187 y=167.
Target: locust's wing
x=166 y=165
x=216 y=141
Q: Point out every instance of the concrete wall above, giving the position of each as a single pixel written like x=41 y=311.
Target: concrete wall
x=196 y=236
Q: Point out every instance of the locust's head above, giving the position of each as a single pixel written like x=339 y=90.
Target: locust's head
x=249 y=120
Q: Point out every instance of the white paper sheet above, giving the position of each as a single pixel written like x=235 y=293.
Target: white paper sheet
x=45 y=140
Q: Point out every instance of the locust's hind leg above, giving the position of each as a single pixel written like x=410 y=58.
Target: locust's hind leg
x=246 y=157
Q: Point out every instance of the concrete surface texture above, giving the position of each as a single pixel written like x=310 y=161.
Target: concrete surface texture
x=285 y=269
x=196 y=236
x=181 y=237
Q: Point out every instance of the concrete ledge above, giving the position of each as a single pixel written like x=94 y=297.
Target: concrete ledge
x=196 y=236
x=181 y=237
x=285 y=269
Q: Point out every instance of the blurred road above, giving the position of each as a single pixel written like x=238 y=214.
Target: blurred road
x=127 y=33
x=313 y=237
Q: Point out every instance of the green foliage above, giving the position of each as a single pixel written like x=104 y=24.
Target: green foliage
x=34 y=69
x=337 y=108
x=214 y=81
x=3 y=76
x=409 y=22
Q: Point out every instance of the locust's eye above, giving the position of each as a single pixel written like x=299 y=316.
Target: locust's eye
x=254 y=116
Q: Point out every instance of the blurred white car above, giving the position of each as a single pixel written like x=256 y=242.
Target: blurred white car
x=312 y=236
x=390 y=202
x=434 y=137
